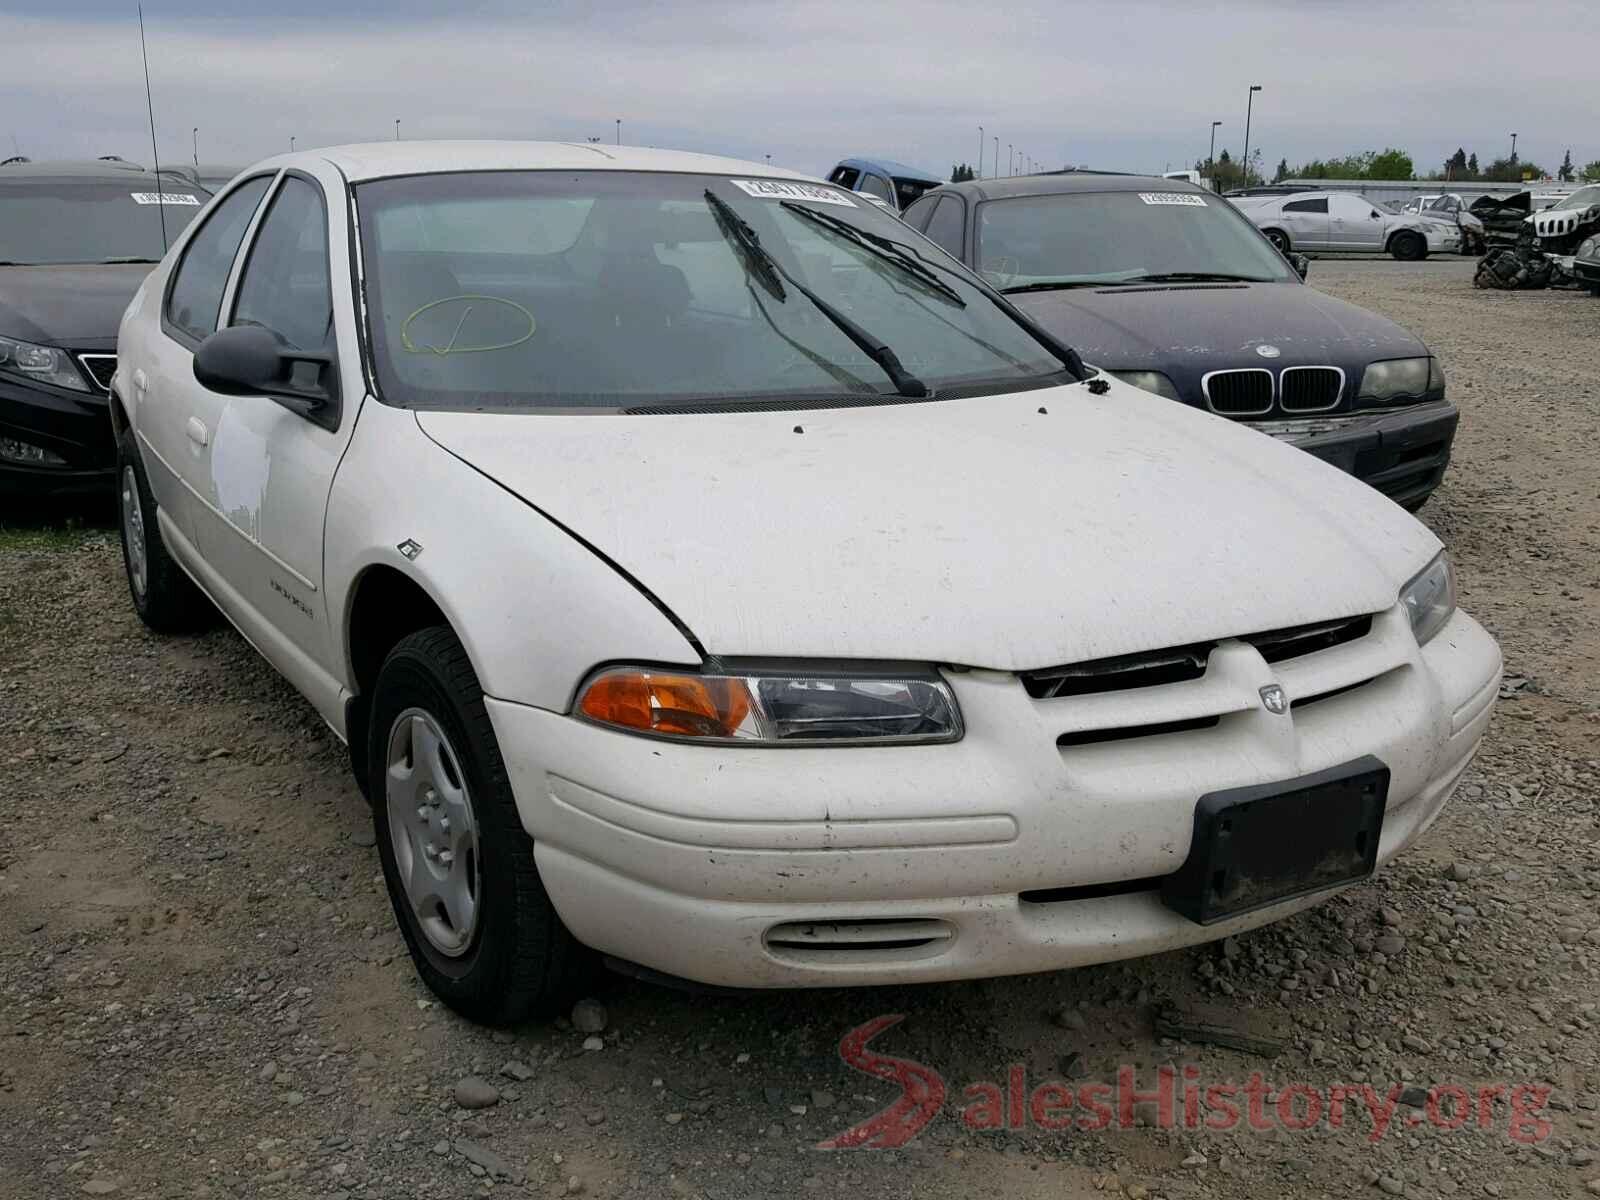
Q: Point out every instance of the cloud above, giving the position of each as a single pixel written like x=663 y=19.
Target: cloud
x=1133 y=86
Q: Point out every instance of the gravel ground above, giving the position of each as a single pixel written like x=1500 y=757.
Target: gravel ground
x=202 y=992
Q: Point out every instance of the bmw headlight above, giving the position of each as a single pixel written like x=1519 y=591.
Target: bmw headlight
x=1430 y=598
x=1148 y=381
x=779 y=707
x=1402 y=378
x=24 y=360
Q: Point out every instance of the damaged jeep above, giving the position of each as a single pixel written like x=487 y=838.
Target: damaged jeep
x=1561 y=229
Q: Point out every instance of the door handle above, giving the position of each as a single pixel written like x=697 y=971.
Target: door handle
x=197 y=431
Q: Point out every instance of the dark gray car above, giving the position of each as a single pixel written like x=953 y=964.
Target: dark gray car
x=1168 y=287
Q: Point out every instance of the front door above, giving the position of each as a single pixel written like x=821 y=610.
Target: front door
x=1354 y=224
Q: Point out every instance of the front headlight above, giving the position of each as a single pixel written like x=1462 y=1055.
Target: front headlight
x=1589 y=248
x=1430 y=598
x=1148 y=381
x=45 y=363
x=773 y=708
x=1401 y=378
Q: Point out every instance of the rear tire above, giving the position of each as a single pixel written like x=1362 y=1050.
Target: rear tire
x=1408 y=246
x=480 y=927
x=1280 y=239
x=166 y=599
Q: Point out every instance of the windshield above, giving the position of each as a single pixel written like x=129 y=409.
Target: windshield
x=1119 y=237
x=1582 y=198
x=92 y=221
x=622 y=289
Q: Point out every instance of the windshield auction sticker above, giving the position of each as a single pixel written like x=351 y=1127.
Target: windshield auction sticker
x=1183 y=198
x=164 y=198
x=784 y=189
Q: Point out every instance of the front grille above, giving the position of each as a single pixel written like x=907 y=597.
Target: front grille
x=1244 y=393
x=100 y=368
x=1156 y=667
x=1309 y=389
x=865 y=937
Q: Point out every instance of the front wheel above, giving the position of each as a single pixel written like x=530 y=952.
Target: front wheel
x=457 y=862
x=166 y=599
x=1408 y=247
x=1280 y=239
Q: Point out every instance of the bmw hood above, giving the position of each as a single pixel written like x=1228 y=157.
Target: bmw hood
x=67 y=305
x=1007 y=532
x=1214 y=326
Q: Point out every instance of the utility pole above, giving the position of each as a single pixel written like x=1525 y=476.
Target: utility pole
x=1254 y=88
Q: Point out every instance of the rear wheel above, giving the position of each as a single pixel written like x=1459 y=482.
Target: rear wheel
x=457 y=862
x=1408 y=246
x=1278 y=238
x=166 y=599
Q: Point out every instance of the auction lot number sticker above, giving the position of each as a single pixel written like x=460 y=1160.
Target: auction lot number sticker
x=784 y=189
x=1183 y=198
x=165 y=198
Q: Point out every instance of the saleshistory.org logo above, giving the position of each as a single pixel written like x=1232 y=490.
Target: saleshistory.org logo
x=1180 y=1099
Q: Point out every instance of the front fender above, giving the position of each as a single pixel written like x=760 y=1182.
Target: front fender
x=535 y=609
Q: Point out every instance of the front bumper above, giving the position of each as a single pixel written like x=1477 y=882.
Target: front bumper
x=1001 y=854
x=1403 y=452
x=1587 y=272
x=76 y=426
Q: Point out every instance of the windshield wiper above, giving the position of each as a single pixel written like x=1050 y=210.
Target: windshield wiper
x=885 y=248
x=1061 y=285
x=762 y=265
x=132 y=258
x=1196 y=277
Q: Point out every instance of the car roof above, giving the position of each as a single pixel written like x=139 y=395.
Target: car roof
x=74 y=168
x=1066 y=183
x=888 y=166
x=381 y=160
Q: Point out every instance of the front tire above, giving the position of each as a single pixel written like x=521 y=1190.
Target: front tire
x=1280 y=239
x=458 y=864
x=1408 y=246
x=166 y=599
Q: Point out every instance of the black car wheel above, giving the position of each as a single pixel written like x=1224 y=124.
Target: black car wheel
x=1278 y=238
x=458 y=863
x=1408 y=246
x=166 y=599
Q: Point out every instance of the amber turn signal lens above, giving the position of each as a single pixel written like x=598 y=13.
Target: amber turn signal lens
x=684 y=705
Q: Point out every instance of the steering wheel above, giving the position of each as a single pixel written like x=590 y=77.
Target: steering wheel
x=471 y=301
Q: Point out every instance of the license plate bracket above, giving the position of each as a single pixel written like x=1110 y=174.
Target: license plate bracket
x=1261 y=845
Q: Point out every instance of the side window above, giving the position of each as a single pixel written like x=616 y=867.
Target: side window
x=195 y=298
x=845 y=177
x=948 y=224
x=1307 y=206
x=285 y=286
x=876 y=185
x=917 y=215
x=1351 y=208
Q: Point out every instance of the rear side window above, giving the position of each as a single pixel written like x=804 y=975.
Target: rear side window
x=876 y=185
x=845 y=177
x=917 y=215
x=285 y=286
x=1311 y=206
x=195 y=298
x=948 y=224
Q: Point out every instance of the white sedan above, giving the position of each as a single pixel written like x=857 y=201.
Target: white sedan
x=706 y=571
x=1344 y=222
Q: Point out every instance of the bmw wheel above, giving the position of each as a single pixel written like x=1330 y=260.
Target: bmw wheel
x=457 y=862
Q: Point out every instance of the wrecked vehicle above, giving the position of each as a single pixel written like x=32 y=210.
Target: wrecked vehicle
x=1344 y=222
x=705 y=569
x=1586 y=264
x=76 y=241
x=1561 y=228
x=1451 y=209
x=1503 y=217
x=1165 y=286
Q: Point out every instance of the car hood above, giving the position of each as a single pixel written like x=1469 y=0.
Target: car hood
x=982 y=532
x=67 y=305
x=1131 y=328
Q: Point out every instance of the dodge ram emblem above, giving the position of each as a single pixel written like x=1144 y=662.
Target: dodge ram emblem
x=1268 y=351
x=1274 y=700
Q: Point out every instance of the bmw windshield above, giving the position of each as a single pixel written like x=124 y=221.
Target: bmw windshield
x=1108 y=238
x=607 y=290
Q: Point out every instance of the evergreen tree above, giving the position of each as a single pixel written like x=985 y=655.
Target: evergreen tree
x=1566 y=168
x=1282 y=172
x=1472 y=165
x=1455 y=167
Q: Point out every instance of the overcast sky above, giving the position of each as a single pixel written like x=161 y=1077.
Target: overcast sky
x=1120 y=84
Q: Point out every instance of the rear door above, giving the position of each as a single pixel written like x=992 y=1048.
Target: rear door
x=1307 y=223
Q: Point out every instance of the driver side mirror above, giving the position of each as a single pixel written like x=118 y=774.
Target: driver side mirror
x=1300 y=263
x=251 y=360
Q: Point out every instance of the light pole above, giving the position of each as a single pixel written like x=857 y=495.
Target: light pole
x=291 y=143
x=195 y=133
x=769 y=160
x=619 y=131
x=1011 y=159
x=397 y=129
x=1249 y=101
x=1211 y=155
x=980 y=151
x=997 y=156
x=1513 y=147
